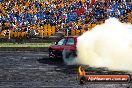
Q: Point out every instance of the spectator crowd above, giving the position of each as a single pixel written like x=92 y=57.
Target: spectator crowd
x=65 y=14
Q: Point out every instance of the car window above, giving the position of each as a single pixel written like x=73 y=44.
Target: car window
x=61 y=42
x=70 y=41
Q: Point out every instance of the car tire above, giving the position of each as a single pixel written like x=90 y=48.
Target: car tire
x=50 y=54
x=68 y=55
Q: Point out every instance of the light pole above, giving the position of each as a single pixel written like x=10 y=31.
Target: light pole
x=42 y=33
x=9 y=34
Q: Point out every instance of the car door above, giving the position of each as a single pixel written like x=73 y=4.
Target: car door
x=62 y=45
x=70 y=43
x=58 y=46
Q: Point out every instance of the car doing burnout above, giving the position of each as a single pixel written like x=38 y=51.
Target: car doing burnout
x=67 y=43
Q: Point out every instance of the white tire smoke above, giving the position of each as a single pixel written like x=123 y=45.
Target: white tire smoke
x=107 y=45
x=68 y=57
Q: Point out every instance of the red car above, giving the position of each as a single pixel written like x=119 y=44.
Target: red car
x=67 y=43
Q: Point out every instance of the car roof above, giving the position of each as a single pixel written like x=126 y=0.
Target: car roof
x=71 y=36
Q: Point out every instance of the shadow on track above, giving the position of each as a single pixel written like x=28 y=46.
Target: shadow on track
x=73 y=69
x=60 y=66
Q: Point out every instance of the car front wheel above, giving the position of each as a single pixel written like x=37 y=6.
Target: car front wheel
x=51 y=54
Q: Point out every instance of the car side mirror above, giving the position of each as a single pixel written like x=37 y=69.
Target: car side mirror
x=55 y=43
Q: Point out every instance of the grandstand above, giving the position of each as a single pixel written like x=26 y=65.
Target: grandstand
x=45 y=18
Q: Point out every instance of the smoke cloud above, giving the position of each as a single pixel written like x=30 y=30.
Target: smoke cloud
x=107 y=45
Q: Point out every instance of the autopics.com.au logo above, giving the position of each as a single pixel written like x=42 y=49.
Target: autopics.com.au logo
x=83 y=78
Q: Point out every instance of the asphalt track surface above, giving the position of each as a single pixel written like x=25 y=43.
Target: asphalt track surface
x=36 y=70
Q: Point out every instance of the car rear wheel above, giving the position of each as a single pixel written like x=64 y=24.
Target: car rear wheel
x=68 y=56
